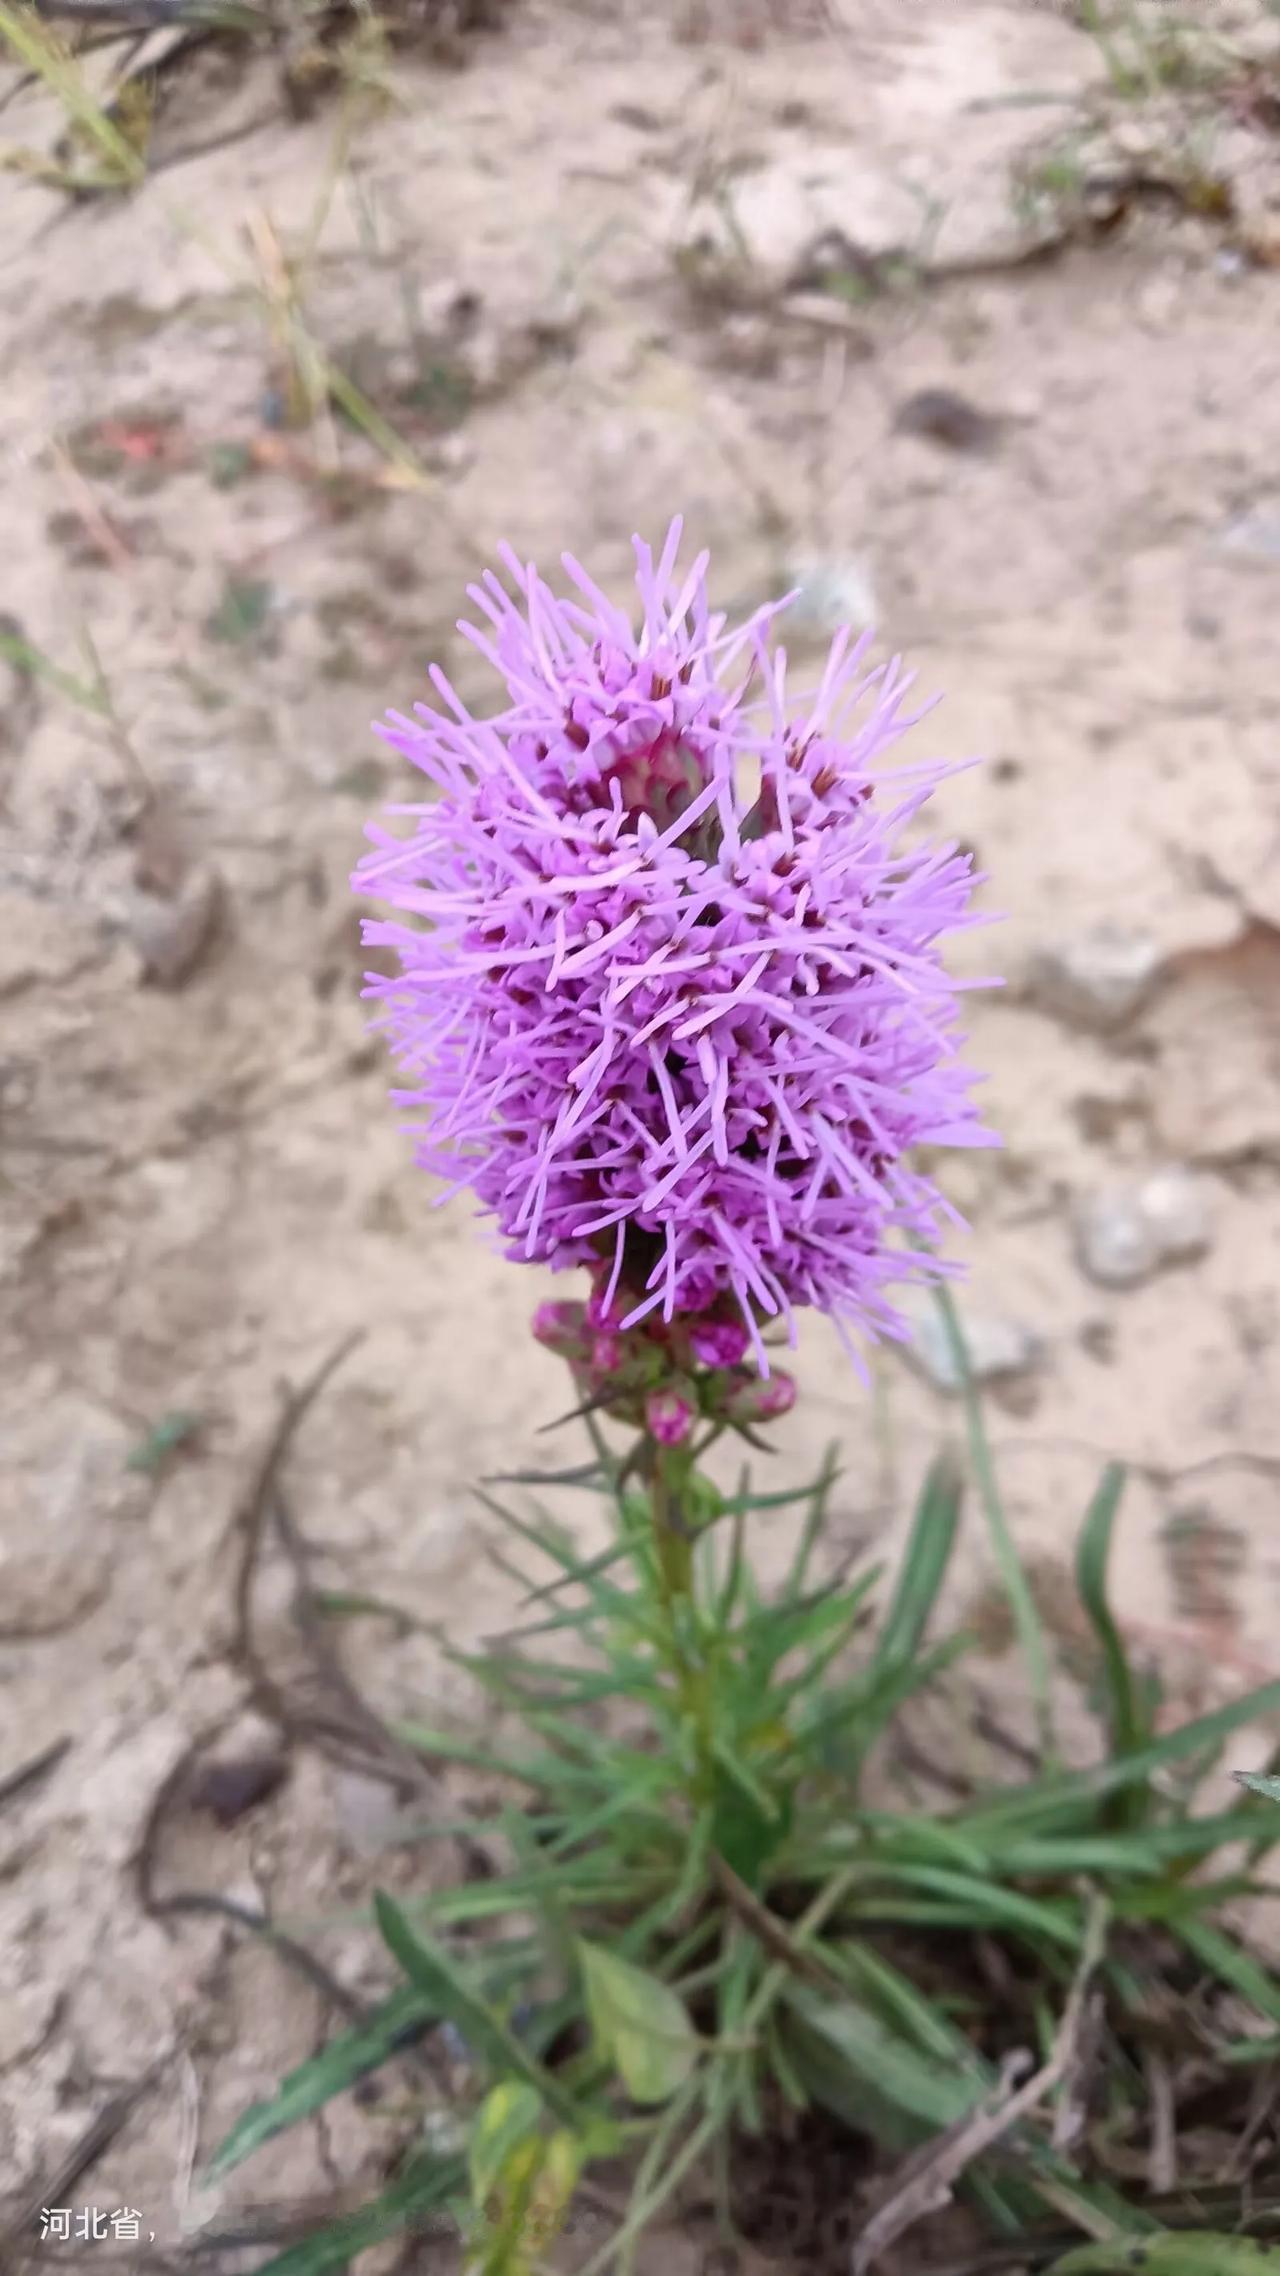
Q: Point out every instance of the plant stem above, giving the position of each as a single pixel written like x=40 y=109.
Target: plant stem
x=669 y=1471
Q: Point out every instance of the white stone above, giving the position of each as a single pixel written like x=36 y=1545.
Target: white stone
x=1124 y=1233
x=997 y=1347
x=1098 y=978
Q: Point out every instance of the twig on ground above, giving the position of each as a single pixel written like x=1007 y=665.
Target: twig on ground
x=96 y=522
x=771 y=1932
x=250 y=1515
x=30 y=1773
x=93 y=2143
x=927 y=2179
x=352 y=1733
x=1162 y=2170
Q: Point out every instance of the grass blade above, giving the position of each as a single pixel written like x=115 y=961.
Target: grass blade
x=1082 y=1787
x=427 y=2182
x=314 y=2083
x=924 y=1567
x=1124 y=1720
x=436 y=1976
x=1017 y=1588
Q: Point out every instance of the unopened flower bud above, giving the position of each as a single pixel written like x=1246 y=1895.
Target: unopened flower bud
x=719 y=1343
x=561 y=1327
x=608 y=1352
x=670 y=1414
x=753 y=1399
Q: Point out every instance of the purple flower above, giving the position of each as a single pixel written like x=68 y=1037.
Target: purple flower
x=719 y=1343
x=678 y=1027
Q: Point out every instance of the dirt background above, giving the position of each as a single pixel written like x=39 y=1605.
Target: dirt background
x=593 y=272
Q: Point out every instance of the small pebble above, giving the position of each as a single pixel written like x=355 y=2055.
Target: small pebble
x=940 y=415
x=173 y=936
x=1096 y=979
x=228 y=1790
x=1125 y=1233
x=998 y=1347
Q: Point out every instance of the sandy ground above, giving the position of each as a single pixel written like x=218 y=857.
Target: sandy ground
x=599 y=275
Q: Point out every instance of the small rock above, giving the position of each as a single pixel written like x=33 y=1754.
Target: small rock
x=453 y=454
x=1255 y=532
x=828 y=315
x=370 y=1816
x=1097 y=979
x=229 y=1788
x=66 y=1482
x=172 y=936
x=998 y=1347
x=1124 y=1233
x=779 y=220
x=1098 y=1339
x=1157 y=303
x=748 y=342
x=940 y=415
x=1175 y=1203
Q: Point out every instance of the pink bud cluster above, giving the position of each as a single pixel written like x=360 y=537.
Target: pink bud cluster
x=662 y=1378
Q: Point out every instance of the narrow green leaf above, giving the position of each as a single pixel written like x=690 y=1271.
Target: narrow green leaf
x=924 y=1566
x=818 y=1495
x=640 y=2025
x=1258 y=1783
x=1145 y=1850
x=442 y=1744
x=355 y=1604
x=314 y=2083
x=785 y=1498
x=579 y=1474
x=1022 y=1604
x=1216 y=1951
x=894 y=1997
x=747 y=1823
x=1081 y=1787
x=826 y=1637
x=508 y=2115
x=1124 y=1721
x=1265 y=2050
x=1200 y=2252
x=173 y=1431
x=727 y=1601
x=991 y=1904
x=869 y=1702
x=850 y=2061
x=426 y=2184
x=437 y=1976
x=921 y=1841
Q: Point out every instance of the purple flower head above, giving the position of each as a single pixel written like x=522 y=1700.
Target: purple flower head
x=719 y=1343
x=671 y=1000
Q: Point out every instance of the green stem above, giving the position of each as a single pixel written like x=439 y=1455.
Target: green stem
x=669 y=1471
